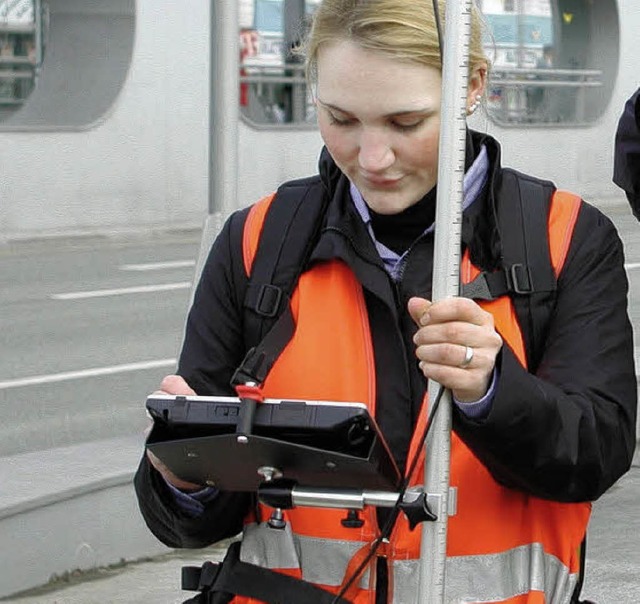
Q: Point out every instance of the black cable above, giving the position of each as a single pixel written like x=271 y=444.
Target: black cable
x=395 y=511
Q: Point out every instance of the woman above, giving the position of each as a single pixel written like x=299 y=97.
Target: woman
x=529 y=451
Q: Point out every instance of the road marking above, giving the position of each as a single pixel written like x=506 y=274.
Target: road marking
x=632 y=265
x=85 y=373
x=140 y=289
x=158 y=266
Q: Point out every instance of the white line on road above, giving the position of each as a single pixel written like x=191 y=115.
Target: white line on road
x=158 y=266
x=85 y=373
x=140 y=289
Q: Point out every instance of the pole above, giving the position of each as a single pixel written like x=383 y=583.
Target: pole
x=224 y=115
x=433 y=547
x=293 y=18
x=224 y=89
x=38 y=24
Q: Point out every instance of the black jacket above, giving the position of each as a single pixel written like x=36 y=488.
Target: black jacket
x=626 y=159
x=566 y=433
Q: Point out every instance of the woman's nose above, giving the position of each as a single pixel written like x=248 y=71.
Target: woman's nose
x=375 y=152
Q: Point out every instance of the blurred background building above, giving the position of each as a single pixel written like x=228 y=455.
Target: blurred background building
x=104 y=103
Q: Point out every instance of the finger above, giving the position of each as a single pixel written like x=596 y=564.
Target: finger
x=170 y=477
x=460 y=334
x=458 y=309
x=452 y=355
x=418 y=308
x=176 y=384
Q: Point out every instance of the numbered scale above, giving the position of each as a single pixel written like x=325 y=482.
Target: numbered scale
x=446 y=279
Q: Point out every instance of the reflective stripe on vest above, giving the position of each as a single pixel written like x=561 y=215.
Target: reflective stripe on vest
x=505 y=575
x=319 y=561
x=498 y=577
x=503 y=545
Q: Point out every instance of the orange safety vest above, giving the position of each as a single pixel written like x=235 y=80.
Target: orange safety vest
x=503 y=545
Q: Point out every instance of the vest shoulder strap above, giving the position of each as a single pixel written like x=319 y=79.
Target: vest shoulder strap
x=535 y=223
x=275 y=257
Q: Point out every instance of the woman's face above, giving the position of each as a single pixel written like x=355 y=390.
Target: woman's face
x=380 y=120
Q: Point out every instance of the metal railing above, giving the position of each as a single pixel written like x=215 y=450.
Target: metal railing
x=278 y=94
x=541 y=96
x=19 y=67
x=17 y=79
x=275 y=94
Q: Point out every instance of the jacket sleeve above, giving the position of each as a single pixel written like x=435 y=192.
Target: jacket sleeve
x=221 y=518
x=213 y=344
x=568 y=432
x=213 y=347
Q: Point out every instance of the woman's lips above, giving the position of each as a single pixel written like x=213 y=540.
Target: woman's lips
x=382 y=181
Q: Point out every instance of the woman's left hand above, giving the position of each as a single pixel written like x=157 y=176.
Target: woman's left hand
x=456 y=344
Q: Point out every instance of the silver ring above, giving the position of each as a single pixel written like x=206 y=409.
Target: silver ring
x=468 y=357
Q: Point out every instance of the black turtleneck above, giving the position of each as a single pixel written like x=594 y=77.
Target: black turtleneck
x=399 y=231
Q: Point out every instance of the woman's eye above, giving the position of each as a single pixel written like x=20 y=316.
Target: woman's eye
x=340 y=121
x=406 y=127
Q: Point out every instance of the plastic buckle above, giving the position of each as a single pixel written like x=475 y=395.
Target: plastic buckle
x=200 y=578
x=519 y=279
x=268 y=301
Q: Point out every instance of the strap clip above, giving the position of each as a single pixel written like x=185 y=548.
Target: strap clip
x=519 y=279
x=268 y=302
x=252 y=369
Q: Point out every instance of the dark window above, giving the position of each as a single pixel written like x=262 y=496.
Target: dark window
x=552 y=60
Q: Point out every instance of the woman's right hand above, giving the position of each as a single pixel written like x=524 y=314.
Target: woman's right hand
x=176 y=385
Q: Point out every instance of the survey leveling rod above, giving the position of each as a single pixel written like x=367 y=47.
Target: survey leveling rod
x=446 y=278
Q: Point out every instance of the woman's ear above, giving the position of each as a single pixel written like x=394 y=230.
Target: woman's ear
x=477 y=87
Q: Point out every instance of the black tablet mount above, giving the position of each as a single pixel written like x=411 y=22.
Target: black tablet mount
x=281 y=493
x=291 y=453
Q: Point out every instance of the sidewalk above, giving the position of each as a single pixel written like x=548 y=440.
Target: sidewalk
x=613 y=562
x=613 y=543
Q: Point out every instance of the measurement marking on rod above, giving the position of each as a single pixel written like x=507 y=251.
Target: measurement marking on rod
x=140 y=289
x=632 y=265
x=158 y=266
x=64 y=376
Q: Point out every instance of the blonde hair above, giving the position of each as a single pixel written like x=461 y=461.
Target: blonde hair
x=402 y=29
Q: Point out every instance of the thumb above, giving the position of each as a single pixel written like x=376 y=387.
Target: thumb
x=175 y=384
x=417 y=307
